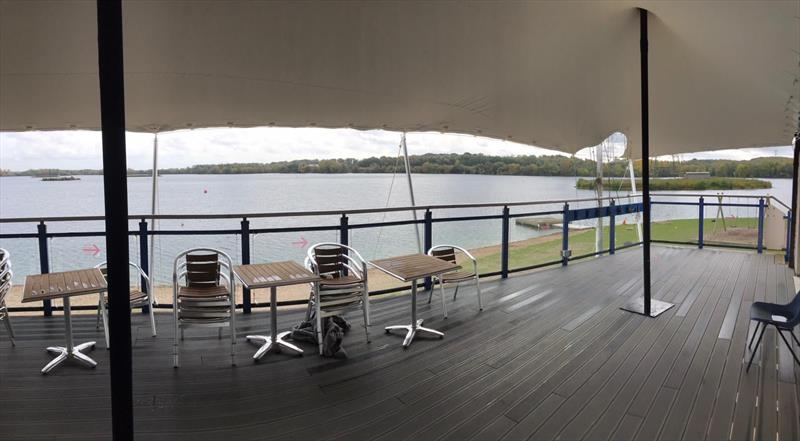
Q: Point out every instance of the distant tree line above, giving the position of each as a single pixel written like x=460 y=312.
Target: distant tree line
x=476 y=164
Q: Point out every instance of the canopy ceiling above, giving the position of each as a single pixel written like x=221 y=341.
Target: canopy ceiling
x=561 y=75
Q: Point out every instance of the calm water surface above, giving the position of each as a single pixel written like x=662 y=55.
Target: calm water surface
x=205 y=194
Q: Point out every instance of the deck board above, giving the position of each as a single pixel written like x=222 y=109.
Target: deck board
x=551 y=356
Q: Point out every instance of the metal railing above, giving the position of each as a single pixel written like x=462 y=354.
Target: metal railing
x=760 y=205
x=344 y=227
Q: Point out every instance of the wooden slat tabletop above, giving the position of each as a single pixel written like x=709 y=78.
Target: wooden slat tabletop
x=265 y=275
x=64 y=284
x=413 y=266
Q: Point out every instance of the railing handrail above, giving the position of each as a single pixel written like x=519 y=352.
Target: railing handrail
x=706 y=195
x=313 y=213
x=747 y=196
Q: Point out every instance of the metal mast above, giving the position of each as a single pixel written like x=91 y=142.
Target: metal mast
x=598 y=232
x=410 y=189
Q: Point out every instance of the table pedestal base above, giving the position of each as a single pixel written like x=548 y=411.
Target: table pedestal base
x=269 y=345
x=411 y=331
x=74 y=354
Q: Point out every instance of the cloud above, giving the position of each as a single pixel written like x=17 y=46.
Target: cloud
x=82 y=149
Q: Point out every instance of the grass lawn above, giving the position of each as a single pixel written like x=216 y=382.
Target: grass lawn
x=548 y=249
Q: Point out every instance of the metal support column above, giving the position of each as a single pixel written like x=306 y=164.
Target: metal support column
x=143 y=262
x=344 y=235
x=44 y=263
x=247 y=301
x=633 y=190
x=598 y=229
x=789 y=222
x=154 y=208
x=760 y=245
x=504 y=245
x=612 y=227
x=793 y=215
x=115 y=186
x=565 y=236
x=428 y=239
x=700 y=220
x=411 y=190
x=645 y=305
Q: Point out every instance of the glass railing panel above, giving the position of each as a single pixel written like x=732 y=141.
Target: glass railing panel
x=735 y=225
x=382 y=242
x=534 y=239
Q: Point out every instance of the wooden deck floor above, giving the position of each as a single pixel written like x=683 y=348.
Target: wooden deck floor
x=551 y=357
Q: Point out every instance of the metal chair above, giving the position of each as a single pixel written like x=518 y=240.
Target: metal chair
x=5 y=286
x=448 y=253
x=343 y=286
x=138 y=298
x=203 y=294
x=782 y=317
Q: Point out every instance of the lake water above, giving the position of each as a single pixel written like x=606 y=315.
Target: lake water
x=203 y=194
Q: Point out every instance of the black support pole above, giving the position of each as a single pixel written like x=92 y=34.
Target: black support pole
x=504 y=245
x=793 y=216
x=247 y=300
x=428 y=242
x=643 y=43
x=44 y=262
x=115 y=186
x=144 y=264
x=646 y=304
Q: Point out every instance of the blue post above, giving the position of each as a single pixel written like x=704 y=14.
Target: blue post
x=44 y=262
x=428 y=239
x=247 y=303
x=787 y=256
x=612 y=219
x=700 y=222
x=761 y=225
x=143 y=259
x=344 y=230
x=565 y=236
x=344 y=235
x=504 y=245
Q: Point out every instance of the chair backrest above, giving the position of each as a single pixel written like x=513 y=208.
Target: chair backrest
x=137 y=273
x=330 y=259
x=445 y=253
x=5 y=274
x=337 y=292
x=202 y=269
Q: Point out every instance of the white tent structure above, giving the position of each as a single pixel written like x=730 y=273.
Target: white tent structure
x=683 y=76
x=560 y=75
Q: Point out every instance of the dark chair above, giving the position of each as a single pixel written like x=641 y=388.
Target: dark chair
x=782 y=317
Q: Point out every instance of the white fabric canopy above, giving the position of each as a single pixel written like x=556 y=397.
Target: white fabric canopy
x=723 y=74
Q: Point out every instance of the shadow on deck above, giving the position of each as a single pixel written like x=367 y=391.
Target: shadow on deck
x=551 y=356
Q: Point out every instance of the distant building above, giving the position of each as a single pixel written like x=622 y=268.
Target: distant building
x=697 y=175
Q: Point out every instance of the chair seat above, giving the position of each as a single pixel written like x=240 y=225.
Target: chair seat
x=203 y=292
x=341 y=280
x=136 y=296
x=763 y=312
x=457 y=276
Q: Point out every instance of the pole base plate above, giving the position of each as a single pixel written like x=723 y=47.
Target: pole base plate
x=657 y=307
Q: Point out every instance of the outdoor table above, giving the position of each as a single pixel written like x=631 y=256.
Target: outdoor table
x=65 y=285
x=272 y=275
x=409 y=269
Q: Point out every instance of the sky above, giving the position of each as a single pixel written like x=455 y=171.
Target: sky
x=82 y=149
